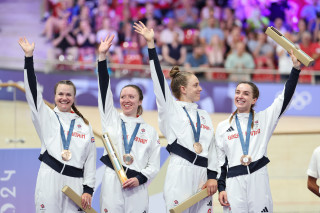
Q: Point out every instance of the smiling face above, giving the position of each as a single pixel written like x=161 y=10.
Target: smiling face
x=191 y=92
x=130 y=101
x=244 y=98
x=64 y=97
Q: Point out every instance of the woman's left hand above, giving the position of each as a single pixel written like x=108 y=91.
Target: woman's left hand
x=296 y=63
x=211 y=185
x=130 y=183
x=86 y=201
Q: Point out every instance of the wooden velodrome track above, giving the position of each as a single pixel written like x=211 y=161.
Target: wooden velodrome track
x=290 y=150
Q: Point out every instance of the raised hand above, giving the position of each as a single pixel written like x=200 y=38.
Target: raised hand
x=26 y=46
x=296 y=63
x=104 y=47
x=140 y=28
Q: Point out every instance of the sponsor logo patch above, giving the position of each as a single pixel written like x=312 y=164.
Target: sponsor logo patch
x=92 y=140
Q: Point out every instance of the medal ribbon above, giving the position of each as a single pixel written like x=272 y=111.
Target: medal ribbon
x=128 y=146
x=195 y=133
x=66 y=143
x=244 y=145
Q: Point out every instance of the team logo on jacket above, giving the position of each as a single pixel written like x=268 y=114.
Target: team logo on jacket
x=79 y=126
x=143 y=132
x=175 y=203
x=42 y=207
x=105 y=210
x=92 y=140
x=230 y=129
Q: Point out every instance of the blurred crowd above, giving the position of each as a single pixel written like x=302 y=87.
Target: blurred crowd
x=207 y=33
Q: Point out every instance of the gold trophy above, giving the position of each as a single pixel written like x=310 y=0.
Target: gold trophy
x=288 y=45
x=114 y=158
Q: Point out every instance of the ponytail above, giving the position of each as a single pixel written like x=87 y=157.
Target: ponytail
x=79 y=114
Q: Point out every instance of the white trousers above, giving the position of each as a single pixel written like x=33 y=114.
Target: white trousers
x=48 y=195
x=184 y=179
x=249 y=193
x=115 y=199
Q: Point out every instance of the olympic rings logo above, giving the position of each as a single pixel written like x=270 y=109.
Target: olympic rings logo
x=300 y=100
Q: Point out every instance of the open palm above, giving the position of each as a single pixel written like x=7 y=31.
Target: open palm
x=26 y=46
x=140 y=28
x=106 y=44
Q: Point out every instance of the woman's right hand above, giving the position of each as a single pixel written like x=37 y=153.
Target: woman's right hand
x=140 y=28
x=223 y=199
x=26 y=46
x=104 y=47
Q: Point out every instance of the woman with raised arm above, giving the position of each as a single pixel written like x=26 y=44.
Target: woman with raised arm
x=136 y=142
x=68 y=151
x=242 y=142
x=188 y=130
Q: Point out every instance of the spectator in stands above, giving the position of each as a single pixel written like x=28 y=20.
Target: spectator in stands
x=215 y=52
x=263 y=52
x=310 y=12
x=64 y=44
x=233 y=38
x=256 y=20
x=187 y=15
x=307 y=46
x=238 y=61
x=151 y=13
x=209 y=10
x=86 y=43
x=63 y=11
x=284 y=59
x=198 y=59
x=302 y=27
x=166 y=35
x=85 y=15
x=213 y=29
x=126 y=11
x=104 y=11
x=107 y=30
x=174 y=53
x=252 y=40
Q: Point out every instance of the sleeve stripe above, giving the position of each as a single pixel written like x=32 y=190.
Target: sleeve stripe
x=103 y=80
x=290 y=87
x=154 y=57
x=32 y=79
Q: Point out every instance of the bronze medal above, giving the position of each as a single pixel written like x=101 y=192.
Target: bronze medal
x=245 y=160
x=128 y=159
x=66 y=155
x=197 y=147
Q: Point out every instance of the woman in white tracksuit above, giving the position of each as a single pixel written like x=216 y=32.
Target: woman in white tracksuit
x=70 y=161
x=242 y=142
x=124 y=129
x=188 y=130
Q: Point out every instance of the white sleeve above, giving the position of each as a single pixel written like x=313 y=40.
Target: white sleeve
x=89 y=175
x=314 y=165
x=153 y=166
